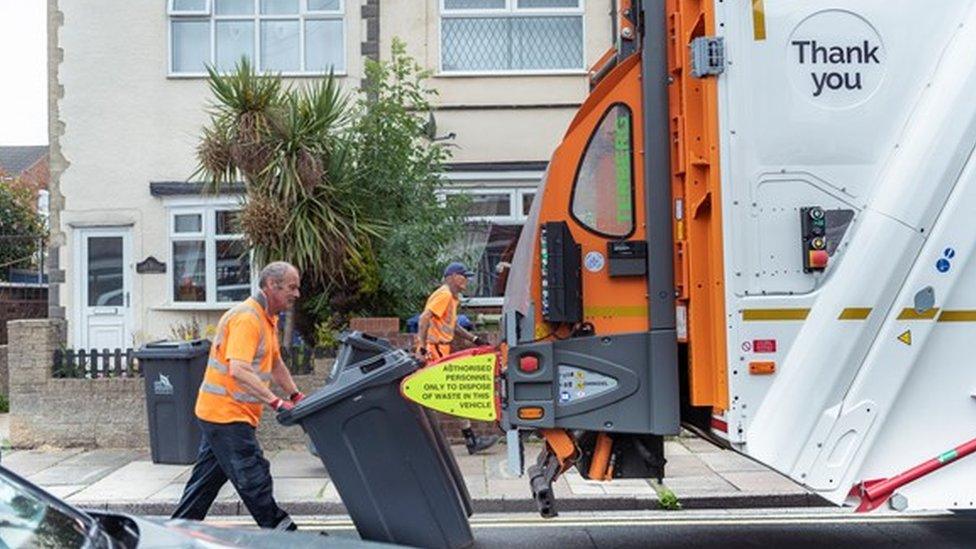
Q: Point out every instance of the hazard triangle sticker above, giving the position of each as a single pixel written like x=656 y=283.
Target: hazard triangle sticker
x=906 y=337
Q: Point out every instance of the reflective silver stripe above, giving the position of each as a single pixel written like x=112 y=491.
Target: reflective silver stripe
x=264 y=376
x=212 y=389
x=244 y=397
x=216 y=365
x=285 y=524
x=218 y=390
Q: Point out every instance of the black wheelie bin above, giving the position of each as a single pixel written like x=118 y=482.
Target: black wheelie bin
x=391 y=466
x=173 y=371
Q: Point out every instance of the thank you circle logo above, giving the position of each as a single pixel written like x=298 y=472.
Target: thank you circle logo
x=836 y=58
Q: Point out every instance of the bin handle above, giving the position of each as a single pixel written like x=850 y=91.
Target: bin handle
x=373 y=364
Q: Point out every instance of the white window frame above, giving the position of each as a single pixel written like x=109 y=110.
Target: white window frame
x=511 y=10
x=303 y=15
x=516 y=184
x=207 y=209
x=171 y=10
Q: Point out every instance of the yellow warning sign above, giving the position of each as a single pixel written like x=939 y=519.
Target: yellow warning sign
x=906 y=337
x=462 y=387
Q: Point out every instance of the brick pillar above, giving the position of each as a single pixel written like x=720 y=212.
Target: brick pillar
x=30 y=356
x=4 y=378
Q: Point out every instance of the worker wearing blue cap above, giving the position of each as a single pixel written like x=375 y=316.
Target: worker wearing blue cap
x=437 y=328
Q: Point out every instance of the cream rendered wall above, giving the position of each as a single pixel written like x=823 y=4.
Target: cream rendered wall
x=496 y=135
x=127 y=124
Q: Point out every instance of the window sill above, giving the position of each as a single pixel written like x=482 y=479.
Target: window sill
x=509 y=74
x=204 y=76
x=483 y=301
x=193 y=306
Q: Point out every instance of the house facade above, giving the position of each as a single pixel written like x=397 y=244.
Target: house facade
x=138 y=253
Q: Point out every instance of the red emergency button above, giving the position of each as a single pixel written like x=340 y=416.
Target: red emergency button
x=818 y=259
x=529 y=364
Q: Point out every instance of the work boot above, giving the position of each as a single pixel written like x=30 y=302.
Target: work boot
x=476 y=444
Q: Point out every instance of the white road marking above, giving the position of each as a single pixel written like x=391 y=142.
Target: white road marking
x=676 y=519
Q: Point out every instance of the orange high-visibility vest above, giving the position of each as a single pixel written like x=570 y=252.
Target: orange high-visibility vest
x=245 y=333
x=443 y=318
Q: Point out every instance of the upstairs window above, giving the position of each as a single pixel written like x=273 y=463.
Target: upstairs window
x=603 y=194
x=292 y=37
x=511 y=36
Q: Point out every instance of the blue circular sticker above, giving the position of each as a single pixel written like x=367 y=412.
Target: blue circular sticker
x=594 y=262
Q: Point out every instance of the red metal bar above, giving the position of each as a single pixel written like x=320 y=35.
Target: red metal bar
x=874 y=493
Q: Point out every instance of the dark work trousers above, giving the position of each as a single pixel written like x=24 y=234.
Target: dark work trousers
x=231 y=451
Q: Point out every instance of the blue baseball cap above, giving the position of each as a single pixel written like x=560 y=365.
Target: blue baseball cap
x=457 y=268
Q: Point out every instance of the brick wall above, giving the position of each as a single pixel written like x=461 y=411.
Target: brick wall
x=36 y=177
x=4 y=380
x=110 y=413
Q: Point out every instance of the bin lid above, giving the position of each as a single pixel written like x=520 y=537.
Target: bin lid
x=170 y=349
x=365 y=341
x=390 y=367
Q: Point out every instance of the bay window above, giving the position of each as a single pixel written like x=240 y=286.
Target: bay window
x=494 y=220
x=210 y=258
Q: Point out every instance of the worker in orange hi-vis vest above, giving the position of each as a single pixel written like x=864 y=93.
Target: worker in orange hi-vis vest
x=244 y=359
x=436 y=330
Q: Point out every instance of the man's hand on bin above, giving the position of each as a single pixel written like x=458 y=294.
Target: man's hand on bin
x=279 y=405
x=479 y=341
x=296 y=397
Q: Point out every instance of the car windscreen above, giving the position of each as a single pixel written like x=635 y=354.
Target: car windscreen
x=27 y=519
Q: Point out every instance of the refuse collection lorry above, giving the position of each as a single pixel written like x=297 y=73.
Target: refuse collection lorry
x=759 y=226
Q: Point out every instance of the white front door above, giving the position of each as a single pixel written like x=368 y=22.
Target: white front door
x=104 y=257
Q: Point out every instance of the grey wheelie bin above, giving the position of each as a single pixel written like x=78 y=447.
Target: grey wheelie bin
x=390 y=464
x=173 y=371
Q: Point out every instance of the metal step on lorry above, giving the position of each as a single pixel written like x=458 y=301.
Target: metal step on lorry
x=758 y=225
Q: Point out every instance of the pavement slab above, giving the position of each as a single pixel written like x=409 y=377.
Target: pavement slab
x=686 y=466
x=133 y=481
x=730 y=462
x=27 y=463
x=763 y=482
x=699 y=486
x=84 y=467
x=300 y=489
x=296 y=464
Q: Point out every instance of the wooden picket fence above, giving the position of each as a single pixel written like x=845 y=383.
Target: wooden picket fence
x=94 y=364
x=116 y=363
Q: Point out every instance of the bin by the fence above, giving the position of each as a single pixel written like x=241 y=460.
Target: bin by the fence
x=173 y=372
x=389 y=462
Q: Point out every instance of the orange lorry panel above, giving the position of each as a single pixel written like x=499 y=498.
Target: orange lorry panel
x=617 y=305
x=600 y=463
x=697 y=209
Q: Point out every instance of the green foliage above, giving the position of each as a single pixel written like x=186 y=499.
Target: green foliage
x=4 y=404
x=344 y=189
x=326 y=336
x=289 y=146
x=21 y=228
x=668 y=499
x=401 y=168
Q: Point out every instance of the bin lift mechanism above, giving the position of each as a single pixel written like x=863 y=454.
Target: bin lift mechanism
x=598 y=376
x=468 y=384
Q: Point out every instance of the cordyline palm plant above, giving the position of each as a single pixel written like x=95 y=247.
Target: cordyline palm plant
x=290 y=148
